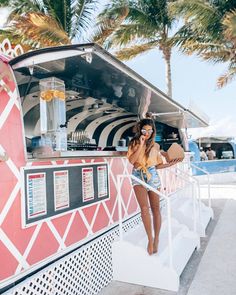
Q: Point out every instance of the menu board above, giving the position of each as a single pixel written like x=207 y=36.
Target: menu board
x=87 y=184
x=61 y=189
x=53 y=190
x=36 y=194
x=102 y=183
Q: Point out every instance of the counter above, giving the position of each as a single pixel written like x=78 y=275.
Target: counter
x=79 y=154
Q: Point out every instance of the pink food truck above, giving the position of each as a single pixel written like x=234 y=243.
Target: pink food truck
x=66 y=116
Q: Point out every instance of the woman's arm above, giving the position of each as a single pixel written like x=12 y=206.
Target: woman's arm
x=163 y=153
x=169 y=164
x=133 y=157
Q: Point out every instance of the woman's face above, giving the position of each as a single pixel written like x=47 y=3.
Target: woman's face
x=147 y=131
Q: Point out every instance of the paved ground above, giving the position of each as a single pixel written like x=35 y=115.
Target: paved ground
x=211 y=262
x=216 y=273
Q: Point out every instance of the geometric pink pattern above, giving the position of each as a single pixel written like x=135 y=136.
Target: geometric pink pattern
x=24 y=248
x=21 y=249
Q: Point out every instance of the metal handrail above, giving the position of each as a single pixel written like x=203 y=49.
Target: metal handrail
x=194 y=199
x=208 y=182
x=170 y=246
x=198 y=189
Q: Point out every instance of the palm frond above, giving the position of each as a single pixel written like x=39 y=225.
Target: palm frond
x=133 y=32
x=202 y=16
x=82 y=16
x=192 y=8
x=108 y=24
x=206 y=50
x=226 y=78
x=19 y=7
x=42 y=29
x=137 y=14
x=61 y=11
x=4 y=3
x=133 y=51
x=125 y=20
x=14 y=39
x=230 y=25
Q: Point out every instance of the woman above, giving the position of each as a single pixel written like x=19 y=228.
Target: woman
x=145 y=156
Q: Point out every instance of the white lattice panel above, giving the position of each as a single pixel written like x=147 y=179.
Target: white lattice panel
x=84 y=272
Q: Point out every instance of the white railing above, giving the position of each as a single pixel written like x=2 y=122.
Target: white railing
x=208 y=182
x=194 y=198
x=187 y=175
x=168 y=207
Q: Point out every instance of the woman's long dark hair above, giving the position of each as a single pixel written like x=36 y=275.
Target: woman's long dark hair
x=150 y=142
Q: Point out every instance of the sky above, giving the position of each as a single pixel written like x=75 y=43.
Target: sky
x=193 y=80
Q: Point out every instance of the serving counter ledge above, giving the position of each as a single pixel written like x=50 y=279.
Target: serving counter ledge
x=78 y=154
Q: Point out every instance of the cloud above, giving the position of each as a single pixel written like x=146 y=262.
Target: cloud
x=225 y=127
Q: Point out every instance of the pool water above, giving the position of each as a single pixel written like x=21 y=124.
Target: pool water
x=215 y=166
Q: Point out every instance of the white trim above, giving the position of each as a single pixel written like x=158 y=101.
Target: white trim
x=46 y=57
x=29 y=246
x=9 y=202
x=86 y=223
x=56 y=235
x=11 y=102
x=122 y=130
x=68 y=226
x=6 y=48
x=55 y=256
x=108 y=129
x=54 y=165
x=11 y=247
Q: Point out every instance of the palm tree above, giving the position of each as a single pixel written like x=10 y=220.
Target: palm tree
x=41 y=23
x=136 y=27
x=210 y=32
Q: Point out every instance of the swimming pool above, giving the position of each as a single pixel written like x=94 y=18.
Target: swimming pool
x=215 y=166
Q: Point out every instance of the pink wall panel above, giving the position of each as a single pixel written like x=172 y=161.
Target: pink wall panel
x=40 y=242
x=77 y=232
x=44 y=245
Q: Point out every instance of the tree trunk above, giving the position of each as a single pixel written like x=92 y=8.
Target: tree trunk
x=167 y=56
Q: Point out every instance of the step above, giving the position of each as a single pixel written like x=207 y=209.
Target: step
x=181 y=204
x=180 y=232
x=182 y=210
x=137 y=236
x=131 y=262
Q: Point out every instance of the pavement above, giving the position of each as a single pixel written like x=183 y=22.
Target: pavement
x=211 y=270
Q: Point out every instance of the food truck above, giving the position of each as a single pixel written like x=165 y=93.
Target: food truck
x=67 y=114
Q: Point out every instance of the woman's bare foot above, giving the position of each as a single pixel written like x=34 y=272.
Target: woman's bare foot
x=155 y=246
x=150 y=247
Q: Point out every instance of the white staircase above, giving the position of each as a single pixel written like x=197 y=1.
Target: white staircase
x=131 y=262
x=184 y=220
x=185 y=208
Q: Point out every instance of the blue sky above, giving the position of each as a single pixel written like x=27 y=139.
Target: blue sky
x=193 y=80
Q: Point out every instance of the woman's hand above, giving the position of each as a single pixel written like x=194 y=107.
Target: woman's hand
x=142 y=139
x=173 y=162
x=163 y=153
x=135 y=151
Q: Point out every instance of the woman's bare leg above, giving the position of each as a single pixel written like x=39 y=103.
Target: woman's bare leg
x=155 y=207
x=142 y=198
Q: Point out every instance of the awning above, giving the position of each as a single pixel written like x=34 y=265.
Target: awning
x=109 y=77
